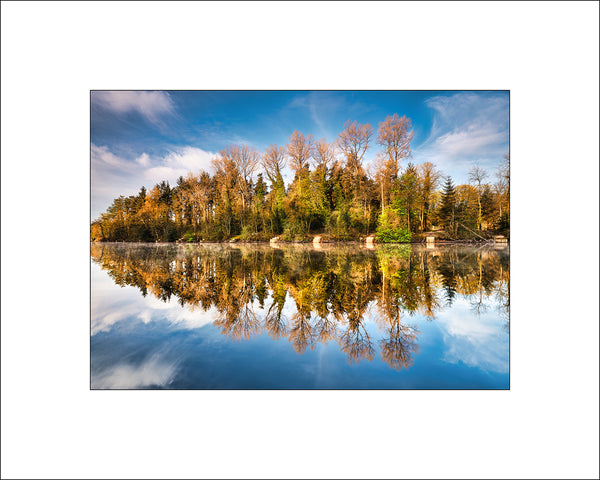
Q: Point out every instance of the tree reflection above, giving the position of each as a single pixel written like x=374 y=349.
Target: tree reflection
x=356 y=342
x=301 y=334
x=274 y=319
x=357 y=298
x=399 y=344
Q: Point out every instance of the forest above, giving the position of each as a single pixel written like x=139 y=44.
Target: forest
x=332 y=194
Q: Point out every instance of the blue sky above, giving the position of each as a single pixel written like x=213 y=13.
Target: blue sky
x=142 y=137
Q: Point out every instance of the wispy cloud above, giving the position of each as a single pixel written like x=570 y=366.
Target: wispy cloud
x=154 y=371
x=322 y=108
x=468 y=128
x=179 y=163
x=153 y=106
x=475 y=340
x=112 y=173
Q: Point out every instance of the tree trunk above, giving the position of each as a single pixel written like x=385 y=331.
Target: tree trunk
x=479 y=214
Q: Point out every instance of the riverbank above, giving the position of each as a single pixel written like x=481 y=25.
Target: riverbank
x=306 y=242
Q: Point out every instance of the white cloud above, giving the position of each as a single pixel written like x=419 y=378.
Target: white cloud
x=101 y=155
x=179 y=163
x=154 y=106
x=157 y=174
x=113 y=175
x=468 y=128
x=152 y=372
x=143 y=160
x=473 y=140
x=475 y=340
x=190 y=158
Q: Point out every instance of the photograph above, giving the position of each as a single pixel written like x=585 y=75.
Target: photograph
x=300 y=239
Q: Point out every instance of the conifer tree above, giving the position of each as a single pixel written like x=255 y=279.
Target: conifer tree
x=448 y=205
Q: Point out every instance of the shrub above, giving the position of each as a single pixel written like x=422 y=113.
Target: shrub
x=246 y=233
x=390 y=228
x=390 y=234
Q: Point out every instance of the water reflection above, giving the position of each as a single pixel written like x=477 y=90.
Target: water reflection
x=318 y=296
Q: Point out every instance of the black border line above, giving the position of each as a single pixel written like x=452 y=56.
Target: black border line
x=294 y=389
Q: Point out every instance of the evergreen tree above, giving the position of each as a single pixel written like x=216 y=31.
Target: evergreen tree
x=448 y=206
x=405 y=196
x=260 y=191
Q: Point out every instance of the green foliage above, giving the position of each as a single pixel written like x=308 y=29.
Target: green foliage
x=342 y=223
x=504 y=224
x=388 y=235
x=294 y=232
x=246 y=234
x=390 y=228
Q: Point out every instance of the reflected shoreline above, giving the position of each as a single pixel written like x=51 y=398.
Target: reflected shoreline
x=331 y=288
x=336 y=243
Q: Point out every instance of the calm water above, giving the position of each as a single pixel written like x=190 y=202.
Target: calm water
x=254 y=317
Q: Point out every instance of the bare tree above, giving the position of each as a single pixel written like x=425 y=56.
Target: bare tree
x=323 y=154
x=394 y=135
x=299 y=150
x=354 y=141
x=477 y=175
x=234 y=169
x=502 y=185
x=246 y=160
x=381 y=177
x=274 y=162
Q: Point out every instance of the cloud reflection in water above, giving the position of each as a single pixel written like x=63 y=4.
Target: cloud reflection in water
x=365 y=307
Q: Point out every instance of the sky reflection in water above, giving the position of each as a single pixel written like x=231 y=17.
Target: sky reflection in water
x=253 y=317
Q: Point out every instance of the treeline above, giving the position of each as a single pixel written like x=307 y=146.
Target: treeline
x=332 y=194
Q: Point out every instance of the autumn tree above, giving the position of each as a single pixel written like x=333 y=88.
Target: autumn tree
x=353 y=142
x=299 y=151
x=273 y=162
x=382 y=177
x=246 y=160
x=199 y=197
x=226 y=179
x=156 y=212
x=394 y=135
x=323 y=155
x=299 y=200
x=502 y=191
x=429 y=177
x=234 y=170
